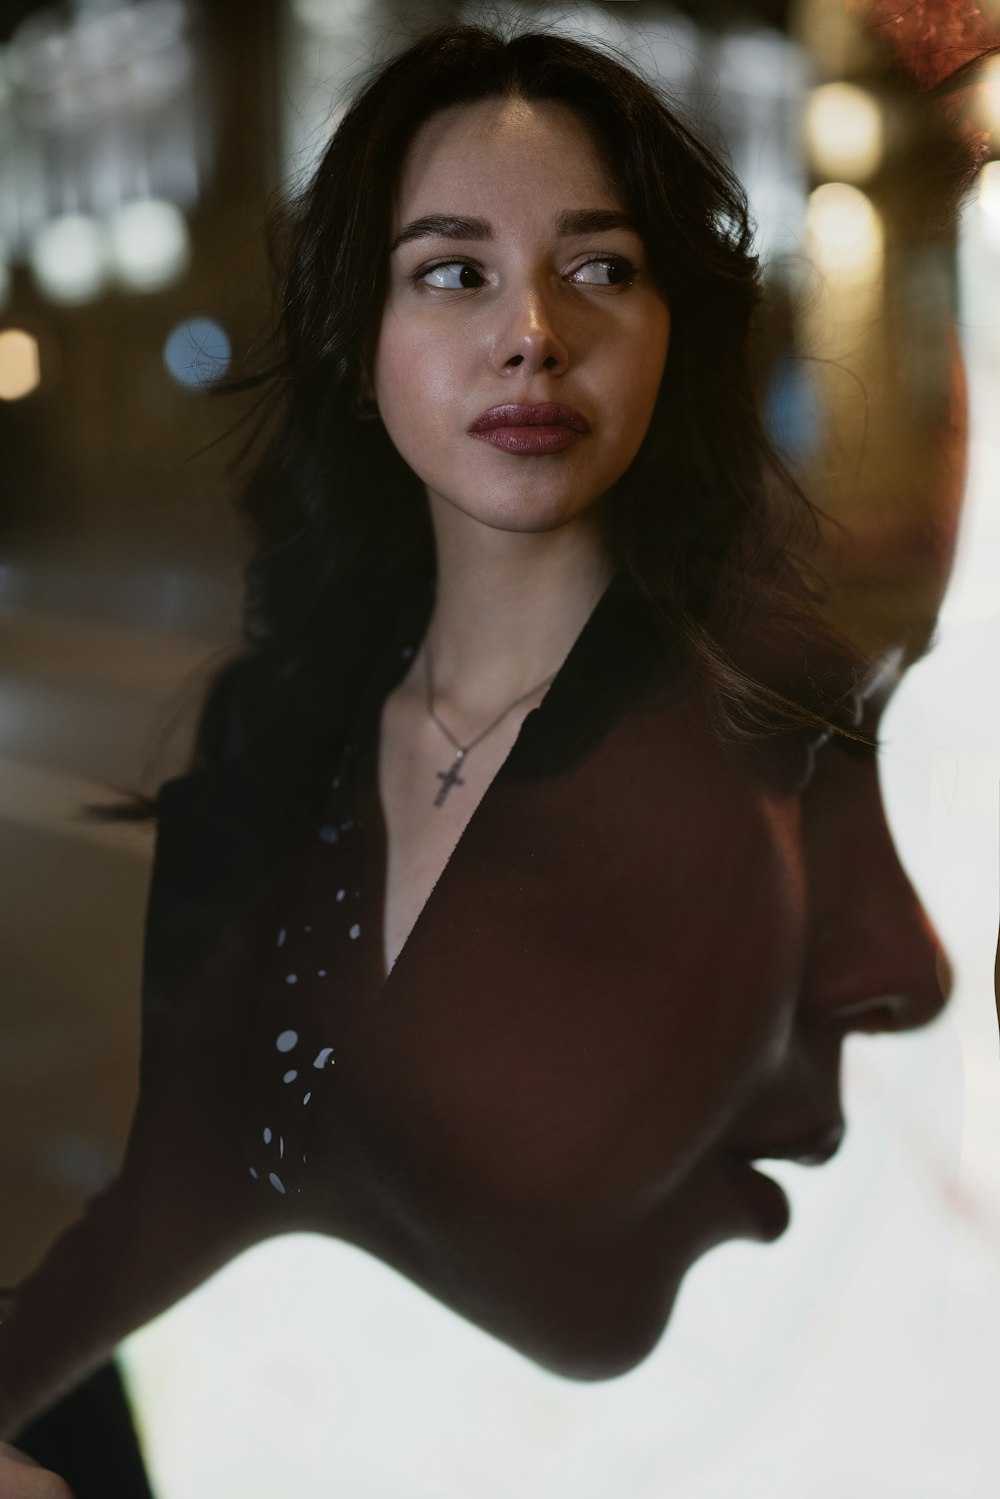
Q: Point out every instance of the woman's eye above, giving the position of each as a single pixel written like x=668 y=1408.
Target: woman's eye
x=451 y=275
x=608 y=270
x=460 y=275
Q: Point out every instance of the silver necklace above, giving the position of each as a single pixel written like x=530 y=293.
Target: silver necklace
x=451 y=777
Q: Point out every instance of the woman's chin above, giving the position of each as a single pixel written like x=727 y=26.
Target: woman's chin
x=531 y=511
x=582 y=1319
x=594 y=1350
x=594 y=1339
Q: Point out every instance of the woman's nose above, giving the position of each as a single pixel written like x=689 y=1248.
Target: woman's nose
x=875 y=962
x=528 y=339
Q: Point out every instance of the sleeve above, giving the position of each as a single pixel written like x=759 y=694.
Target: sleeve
x=179 y=1208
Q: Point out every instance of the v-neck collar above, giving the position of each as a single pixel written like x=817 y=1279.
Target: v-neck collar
x=222 y=833
x=620 y=649
x=617 y=655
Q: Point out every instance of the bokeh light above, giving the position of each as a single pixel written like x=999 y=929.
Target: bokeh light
x=844 y=134
x=989 y=189
x=70 y=258
x=149 y=242
x=329 y=17
x=989 y=199
x=844 y=229
x=197 y=352
x=989 y=97
x=794 y=410
x=20 y=370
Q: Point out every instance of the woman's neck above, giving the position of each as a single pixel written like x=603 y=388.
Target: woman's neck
x=507 y=609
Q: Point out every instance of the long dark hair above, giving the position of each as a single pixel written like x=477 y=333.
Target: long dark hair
x=706 y=519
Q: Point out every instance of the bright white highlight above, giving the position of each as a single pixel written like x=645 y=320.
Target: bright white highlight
x=989 y=190
x=150 y=245
x=69 y=258
x=988 y=202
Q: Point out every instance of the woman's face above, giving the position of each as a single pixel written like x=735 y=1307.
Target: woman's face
x=549 y=1141
x=516 y=280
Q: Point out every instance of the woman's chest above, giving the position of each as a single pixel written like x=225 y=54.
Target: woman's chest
x=427 y=795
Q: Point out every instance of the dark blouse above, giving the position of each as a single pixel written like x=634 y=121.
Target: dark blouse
x=263 y=968
x=325 y=960
x=325 y=957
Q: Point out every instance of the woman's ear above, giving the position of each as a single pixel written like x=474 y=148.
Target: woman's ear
x=364 y=405
x=366 y=364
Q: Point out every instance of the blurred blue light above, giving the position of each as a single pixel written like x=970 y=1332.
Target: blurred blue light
x=197 y=352
x=794 y=410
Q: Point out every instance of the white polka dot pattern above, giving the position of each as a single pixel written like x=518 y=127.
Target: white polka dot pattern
x=294 y=1010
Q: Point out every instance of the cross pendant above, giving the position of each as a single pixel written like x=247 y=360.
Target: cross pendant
x=448 y=779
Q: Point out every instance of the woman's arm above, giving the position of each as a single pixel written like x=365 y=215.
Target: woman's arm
x=177 y=1211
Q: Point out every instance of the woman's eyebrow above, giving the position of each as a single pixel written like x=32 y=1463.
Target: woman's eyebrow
x=568 y=223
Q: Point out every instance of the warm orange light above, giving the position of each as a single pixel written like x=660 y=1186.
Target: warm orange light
x=19 y=367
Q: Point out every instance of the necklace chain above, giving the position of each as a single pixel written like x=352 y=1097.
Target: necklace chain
x=463 y=749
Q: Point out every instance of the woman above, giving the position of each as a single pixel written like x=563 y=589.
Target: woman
x=485 y=933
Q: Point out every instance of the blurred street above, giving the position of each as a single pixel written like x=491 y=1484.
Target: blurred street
x=86 y=697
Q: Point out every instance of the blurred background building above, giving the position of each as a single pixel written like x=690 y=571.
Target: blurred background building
x=140 y=147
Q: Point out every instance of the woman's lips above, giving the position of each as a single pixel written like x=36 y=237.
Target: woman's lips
x=543 y=428
x=530 y=439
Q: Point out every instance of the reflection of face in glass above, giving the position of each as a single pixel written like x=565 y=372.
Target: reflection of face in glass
x=678 y=941
x=634 y=976
x=550 y=1140
x=515 y=301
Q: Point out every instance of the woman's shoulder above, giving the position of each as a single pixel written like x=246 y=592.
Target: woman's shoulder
x=221 y=836
x=218 y=828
